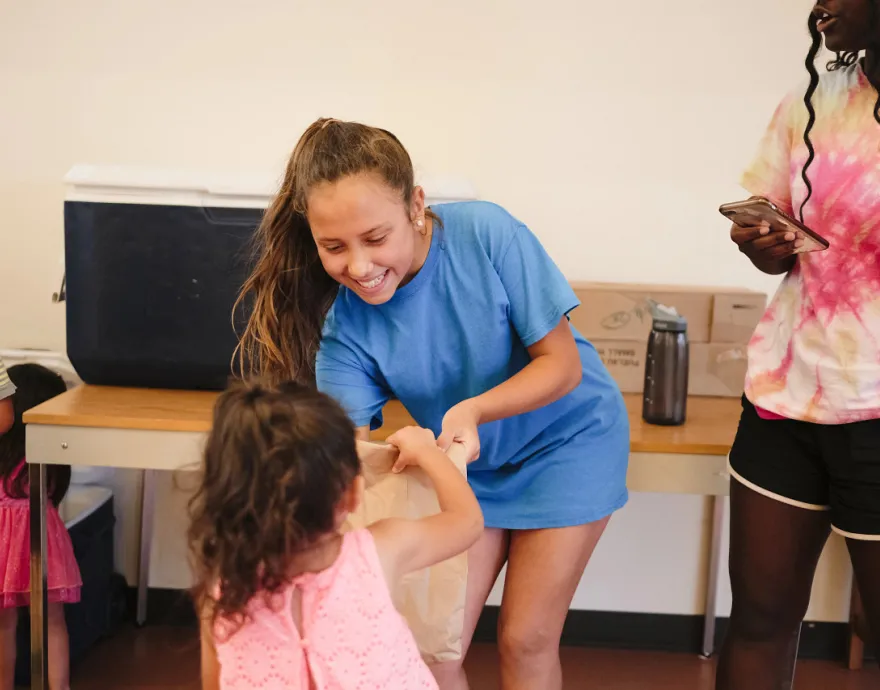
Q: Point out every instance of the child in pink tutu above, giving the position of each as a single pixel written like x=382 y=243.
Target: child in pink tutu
x=32 y=384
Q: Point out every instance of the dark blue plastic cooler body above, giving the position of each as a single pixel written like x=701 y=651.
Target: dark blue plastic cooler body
x=150 y=291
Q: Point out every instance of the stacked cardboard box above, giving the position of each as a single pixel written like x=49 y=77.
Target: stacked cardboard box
x=617 y=320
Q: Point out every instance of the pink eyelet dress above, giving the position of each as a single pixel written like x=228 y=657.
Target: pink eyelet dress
x=353 y=637
x=63 y=581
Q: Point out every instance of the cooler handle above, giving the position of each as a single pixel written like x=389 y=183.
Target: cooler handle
x=61 y=295
x=230 y=216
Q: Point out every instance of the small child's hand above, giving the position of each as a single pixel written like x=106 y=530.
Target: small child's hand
x=412 y=442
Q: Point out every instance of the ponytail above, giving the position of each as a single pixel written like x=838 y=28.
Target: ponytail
x=288 y=291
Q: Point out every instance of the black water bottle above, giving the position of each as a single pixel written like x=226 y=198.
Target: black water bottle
x=666 y=369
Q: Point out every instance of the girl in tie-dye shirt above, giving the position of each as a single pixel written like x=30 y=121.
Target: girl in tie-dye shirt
x=806 y=458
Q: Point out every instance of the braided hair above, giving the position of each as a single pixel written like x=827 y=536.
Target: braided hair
x=840 y=61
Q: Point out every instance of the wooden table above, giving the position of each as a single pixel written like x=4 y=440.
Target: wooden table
x=157 y=430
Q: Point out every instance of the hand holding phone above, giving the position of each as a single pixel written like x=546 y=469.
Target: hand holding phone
x=760 y=212
x=768 y=236
x=762 y=240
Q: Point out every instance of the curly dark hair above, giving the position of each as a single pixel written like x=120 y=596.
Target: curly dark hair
x=840 y=61
x=277 y=462
x=35 y=384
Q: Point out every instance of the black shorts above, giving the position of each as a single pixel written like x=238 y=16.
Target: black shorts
x=813 y=466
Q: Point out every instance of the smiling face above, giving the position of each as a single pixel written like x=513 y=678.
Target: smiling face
x=366 y=236
x=848 y=25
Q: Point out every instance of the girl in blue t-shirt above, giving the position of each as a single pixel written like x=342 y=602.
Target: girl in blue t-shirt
x=458 y=312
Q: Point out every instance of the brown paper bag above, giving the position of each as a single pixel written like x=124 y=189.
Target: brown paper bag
x=431 y=600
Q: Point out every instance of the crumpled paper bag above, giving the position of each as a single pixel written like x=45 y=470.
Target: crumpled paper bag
x=431 y=600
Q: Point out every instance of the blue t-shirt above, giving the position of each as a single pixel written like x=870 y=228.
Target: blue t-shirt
x=487 y=291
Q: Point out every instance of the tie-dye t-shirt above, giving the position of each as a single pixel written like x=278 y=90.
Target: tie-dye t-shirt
x=816 y=354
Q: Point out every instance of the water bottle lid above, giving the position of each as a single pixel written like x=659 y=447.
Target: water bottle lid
x=667 y=319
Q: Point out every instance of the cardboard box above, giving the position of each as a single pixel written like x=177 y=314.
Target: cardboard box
x=716 y=369
x=611 y=311
x=735 y=316
x=620 y=311
x=625 y=360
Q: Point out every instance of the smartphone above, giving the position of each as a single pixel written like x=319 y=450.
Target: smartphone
x=758 y=209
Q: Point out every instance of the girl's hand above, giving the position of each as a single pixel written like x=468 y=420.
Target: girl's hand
x=412 y=442
x=460 y=426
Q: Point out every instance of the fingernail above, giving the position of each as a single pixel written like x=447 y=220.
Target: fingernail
x=789 y=236
x=764 y=229
x=798 y=244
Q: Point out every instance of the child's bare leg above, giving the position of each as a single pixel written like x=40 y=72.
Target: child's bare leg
x=8 y=621
x=59 y=650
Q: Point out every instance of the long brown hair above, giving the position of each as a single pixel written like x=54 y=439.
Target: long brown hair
x=277 y=462
x=289 y=293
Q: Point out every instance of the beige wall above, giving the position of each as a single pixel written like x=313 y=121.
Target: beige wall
x=614 y=129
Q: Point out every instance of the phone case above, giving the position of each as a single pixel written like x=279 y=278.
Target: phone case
x=757 y=210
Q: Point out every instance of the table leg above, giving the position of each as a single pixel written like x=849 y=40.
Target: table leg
x=148 y=500
x=39 y=597
x=712 y=577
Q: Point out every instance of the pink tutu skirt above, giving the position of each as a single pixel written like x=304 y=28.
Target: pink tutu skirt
x=62 y=572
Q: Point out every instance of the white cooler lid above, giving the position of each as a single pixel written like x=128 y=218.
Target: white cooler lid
x=122 y=184
x=82 y=501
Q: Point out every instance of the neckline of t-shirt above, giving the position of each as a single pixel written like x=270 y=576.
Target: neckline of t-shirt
x=424 y=274
x=854 y=76
x=864 y=82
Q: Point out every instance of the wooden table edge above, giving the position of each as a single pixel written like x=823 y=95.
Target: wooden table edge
x=37 y=418
x=195 y=426
x=194 y=416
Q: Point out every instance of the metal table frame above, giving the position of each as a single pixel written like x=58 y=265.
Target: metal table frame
x=39 y=594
